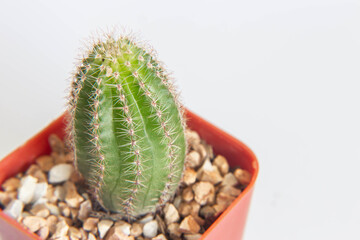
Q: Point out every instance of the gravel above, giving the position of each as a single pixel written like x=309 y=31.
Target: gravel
x=49 y=199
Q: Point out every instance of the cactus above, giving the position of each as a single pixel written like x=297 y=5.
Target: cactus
x=126 y=127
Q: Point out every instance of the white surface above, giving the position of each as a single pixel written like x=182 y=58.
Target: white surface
x=283 y=76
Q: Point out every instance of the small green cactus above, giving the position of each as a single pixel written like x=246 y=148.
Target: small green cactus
x=126 y=127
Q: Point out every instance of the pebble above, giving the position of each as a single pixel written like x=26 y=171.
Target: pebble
x=54 y=210
x=61 y=230
x=45 y=163
x=104 y=226
x=6 y=197
x=60 y=192
x=91 y=237
x=74 y=233
x=187 y=194
x=230 y=190
x=85 y=210
x=229 y=180
x=34 y=223
x=189 y=225
x=136 y=229
x=189 y=176
x=27 y=189
x=192 y=236
x=124 y=227
x=207 y=212
x=171 y=214
x=60 y=173
x=14 y=208
x=51 y=222
x=43 y=232
x=192 y=137
x=56 y=144
x=209 y=173
x=72 y=197
x=90 y=224
x=243 y=176
x=11 y=184
x=40 y=191
x=204 y=192
x=146 y=219
x=150 y=229
x=159 y=237
x=173 y=230
x=116 y=234
x=222 y=164
x=193 y=159
x=40 y=210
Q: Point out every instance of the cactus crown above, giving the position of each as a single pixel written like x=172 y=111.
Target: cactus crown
x=126 y=127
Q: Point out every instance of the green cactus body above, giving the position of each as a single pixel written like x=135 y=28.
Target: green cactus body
x=127 y=128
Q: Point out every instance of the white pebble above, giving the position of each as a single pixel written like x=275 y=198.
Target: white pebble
x=103 y=227
x=150 y=229
x=40 y=191
x=14 y=208
x=27 y=189
x=60 y=173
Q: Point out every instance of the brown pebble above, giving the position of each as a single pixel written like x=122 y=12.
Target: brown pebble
x=61 y=231
x=230 y=190
x=51 y=223
x=218 y=209
x=171 y=213
x=187 y=194
x=50 y=196
x=229 y=180
x=200 y=148
x=192 y=137
x=45 y=162
x=91 y=237
x=103 y=227
x=204 y=192
x=209 y=173
x=192 y=236
x=85 y=210
x=222 y=164
x=115 y=233
x=12 y=184
x=74 y=233
x=207 y=212
x=224 y=199
x=195 y=207
x=43 y=232
x=184 y=209
x=40 y=210
x=189 y=176
x=72 y=197
x=193 y=159
x=173 y=230
x=90 y=224
x=189 y=225
x=159 y=237
x=64 y=209
x=56 y=144
x=243 y=176
x=34 y=223
x=136 y=229
x=6 y=197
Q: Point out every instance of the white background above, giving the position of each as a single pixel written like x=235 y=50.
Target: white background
x=283 y=76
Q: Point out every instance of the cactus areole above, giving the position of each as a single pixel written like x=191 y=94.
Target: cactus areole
x=126 y=127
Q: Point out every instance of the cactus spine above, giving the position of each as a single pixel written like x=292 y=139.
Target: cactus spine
x=126 y=127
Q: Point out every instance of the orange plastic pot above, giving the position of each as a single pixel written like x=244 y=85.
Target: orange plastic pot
x=229 y=225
